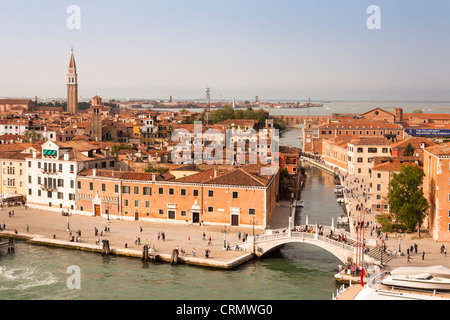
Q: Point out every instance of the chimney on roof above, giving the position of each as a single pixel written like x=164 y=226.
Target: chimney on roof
x=215 y=173
x=94 y=172
x=153 y=177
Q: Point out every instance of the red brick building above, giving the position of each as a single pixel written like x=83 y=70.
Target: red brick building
x=240 y=197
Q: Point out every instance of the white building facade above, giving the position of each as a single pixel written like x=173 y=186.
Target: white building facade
x=51 y=176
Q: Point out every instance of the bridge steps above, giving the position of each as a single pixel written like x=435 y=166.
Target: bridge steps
x=376 y=254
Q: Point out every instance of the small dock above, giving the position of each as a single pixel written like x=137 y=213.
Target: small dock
x=10 y=245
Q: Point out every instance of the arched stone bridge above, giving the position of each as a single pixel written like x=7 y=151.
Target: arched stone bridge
x=261 y=245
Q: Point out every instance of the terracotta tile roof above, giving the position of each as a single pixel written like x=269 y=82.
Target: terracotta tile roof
x=240 y=177
x=15 y=101
x=379 y=109
x=201 y=177
x=392 y=165
x=126 y=175
x=237 y=122
x=415 y=143
x=371 y=141
x=14 y=155
x=440 y=149
x=361 y=124
x=15 y=147
x=428 y=116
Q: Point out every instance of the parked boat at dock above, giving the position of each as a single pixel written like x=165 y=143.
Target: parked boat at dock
x=300 y=203
x=432 y=278
x=414 y=283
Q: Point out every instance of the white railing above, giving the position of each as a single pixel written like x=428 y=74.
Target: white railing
x=304 y=235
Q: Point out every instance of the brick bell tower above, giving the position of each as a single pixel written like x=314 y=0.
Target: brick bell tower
x=72 y=87
x=308 y=137
x=96 y=118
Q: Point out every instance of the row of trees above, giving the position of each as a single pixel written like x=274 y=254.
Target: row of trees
x=227 y=112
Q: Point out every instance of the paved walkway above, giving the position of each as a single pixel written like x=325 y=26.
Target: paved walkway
x=424 y=244
x=47 y=224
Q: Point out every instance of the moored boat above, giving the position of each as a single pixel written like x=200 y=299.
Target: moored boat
x=430 y=278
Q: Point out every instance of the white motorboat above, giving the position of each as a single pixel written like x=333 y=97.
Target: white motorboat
x=340 y=200
x=423 y=281
x=300 y=203
x=338 y=188
x=414 y=283
x=431 y=278
x=342 y=220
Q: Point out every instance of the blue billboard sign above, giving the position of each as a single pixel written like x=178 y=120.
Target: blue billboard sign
x=429 y=132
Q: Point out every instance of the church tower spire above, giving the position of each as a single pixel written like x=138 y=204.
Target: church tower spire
x=72 y=87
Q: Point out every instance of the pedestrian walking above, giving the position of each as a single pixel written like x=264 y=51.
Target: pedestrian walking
x=193 y=252
x=28 y=228
x=408 y=259
x=159 y=235
x=423 y=255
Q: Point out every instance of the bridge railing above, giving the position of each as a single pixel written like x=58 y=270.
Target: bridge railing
x=273 y=236
x=337 y=244
x=304 y=235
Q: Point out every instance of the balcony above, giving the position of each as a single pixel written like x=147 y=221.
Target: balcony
x=48 y=187
x=49 y=171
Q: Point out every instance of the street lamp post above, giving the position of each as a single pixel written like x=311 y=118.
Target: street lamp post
x=381 y=255
x=399 y=242
x=253 y=222
x=225 y=231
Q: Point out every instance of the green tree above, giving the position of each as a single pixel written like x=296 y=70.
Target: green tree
x=152 y=169
x=32 y=135
x=285 y=184
x=117 y=147
x=280 y=124
x=409 y=150
x=405 y=196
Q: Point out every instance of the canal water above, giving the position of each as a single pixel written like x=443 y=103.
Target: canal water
x=295 y=272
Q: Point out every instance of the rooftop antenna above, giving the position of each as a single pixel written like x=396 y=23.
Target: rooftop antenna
x=208 y=105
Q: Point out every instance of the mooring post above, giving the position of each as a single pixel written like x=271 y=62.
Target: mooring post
x=145 y=253
x=106 y=250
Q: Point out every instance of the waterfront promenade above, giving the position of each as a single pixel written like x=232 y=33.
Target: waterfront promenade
x=50 y=228
x=394 y=241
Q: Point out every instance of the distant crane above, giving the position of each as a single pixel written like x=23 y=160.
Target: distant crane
x=208 y=105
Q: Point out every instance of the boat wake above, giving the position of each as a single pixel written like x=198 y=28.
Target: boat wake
x=25 y=278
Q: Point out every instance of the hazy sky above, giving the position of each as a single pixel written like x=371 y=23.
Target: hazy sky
x=278 y=49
